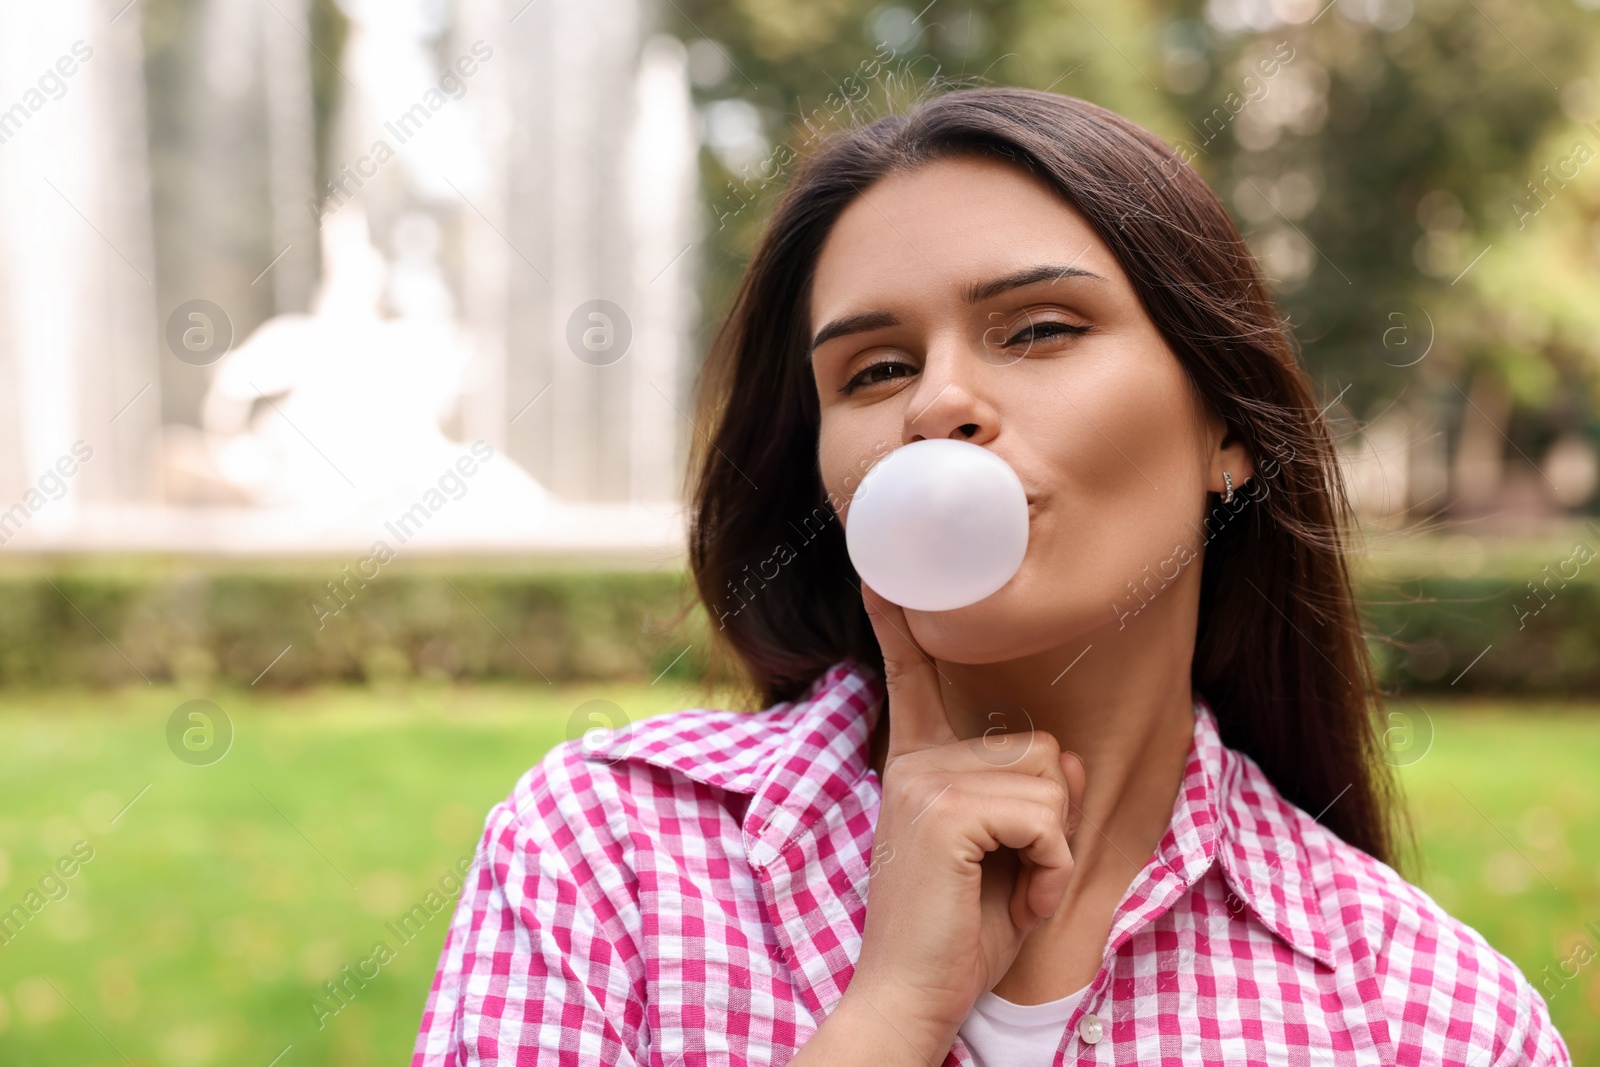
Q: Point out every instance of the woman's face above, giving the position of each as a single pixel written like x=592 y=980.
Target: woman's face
x=966 y=299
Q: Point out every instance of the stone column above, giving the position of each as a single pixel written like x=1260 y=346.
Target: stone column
x=78 y=323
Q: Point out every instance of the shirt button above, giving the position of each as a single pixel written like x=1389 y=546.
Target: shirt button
x=1089 y=1029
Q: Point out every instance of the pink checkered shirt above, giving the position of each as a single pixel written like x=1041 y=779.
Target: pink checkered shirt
x=691 y=890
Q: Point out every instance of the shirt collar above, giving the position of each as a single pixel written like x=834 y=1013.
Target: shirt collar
x=800 y=759
x=1227 y=811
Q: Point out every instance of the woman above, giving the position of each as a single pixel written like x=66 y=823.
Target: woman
x=1128 y=809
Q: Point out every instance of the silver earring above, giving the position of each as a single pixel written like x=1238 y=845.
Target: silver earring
x=1227 y=491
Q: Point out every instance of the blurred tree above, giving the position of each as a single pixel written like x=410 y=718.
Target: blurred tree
x=1381 y=205
x=772 y=79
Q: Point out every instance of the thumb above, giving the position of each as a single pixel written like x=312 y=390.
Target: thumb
x=917 y=718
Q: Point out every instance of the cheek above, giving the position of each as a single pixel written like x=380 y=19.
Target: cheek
x=1127 y=470
x=1122 y=427
x=1147 y=428
x=831 y=453
x=847 y=447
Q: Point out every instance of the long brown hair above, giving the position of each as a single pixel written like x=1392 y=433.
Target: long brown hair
x=1279 y=654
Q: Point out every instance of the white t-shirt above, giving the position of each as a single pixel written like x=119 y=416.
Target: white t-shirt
x=1003 y=1034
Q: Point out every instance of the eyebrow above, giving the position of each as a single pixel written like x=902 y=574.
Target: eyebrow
x=972 y=293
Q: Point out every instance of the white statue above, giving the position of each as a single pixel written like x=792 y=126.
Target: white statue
x=335 y=416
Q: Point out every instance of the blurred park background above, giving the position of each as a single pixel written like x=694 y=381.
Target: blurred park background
x=346 y=350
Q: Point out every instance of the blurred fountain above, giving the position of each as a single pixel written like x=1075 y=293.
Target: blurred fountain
x=333 y=417
x=497 y=171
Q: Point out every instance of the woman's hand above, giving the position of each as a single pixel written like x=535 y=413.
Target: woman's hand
x=972 y=849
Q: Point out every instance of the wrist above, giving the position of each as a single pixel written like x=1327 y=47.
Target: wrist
x=900 y=1015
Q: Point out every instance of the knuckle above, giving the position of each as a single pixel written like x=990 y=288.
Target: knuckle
x=923 y=789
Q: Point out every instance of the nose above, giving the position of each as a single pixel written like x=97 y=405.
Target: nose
x=947 y=403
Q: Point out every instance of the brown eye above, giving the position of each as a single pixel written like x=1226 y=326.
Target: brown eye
x=875 y=373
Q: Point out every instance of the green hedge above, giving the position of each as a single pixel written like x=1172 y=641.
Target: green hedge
x=118 y=620
x=110 y=622
x=1526 y=622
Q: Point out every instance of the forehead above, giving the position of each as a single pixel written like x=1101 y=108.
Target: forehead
x=922 y=234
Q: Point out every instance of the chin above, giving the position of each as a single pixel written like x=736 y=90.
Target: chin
x=1011 y=624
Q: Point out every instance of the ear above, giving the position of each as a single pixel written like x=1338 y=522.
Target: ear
x=1227 y=452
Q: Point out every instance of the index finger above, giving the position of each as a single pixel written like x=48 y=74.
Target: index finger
x=917 y=718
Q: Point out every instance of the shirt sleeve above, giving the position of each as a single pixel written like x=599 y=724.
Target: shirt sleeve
x=1534 y=1042
x=540 y=966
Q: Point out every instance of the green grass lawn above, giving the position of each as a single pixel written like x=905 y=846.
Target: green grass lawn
x=219 y=898
x=1506 y=806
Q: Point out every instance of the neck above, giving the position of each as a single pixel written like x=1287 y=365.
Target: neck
x=1121 y=699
